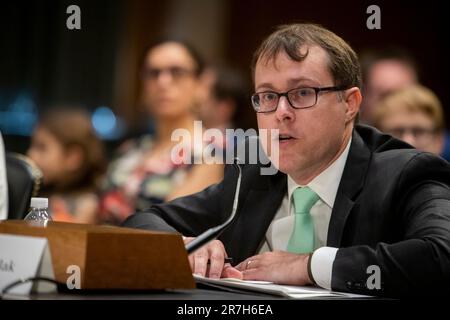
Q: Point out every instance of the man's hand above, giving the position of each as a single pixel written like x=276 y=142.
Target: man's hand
x=278 y=266
x=208 y=261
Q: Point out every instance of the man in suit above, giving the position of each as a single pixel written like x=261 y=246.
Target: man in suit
x=350 y=209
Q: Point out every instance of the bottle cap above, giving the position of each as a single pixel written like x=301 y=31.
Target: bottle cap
x=39 y=203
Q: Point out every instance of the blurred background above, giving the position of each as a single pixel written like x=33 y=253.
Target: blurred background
x=43 y=64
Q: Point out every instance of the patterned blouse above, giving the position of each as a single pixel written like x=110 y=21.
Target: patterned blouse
x=133 y=183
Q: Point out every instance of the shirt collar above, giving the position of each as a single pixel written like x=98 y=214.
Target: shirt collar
x=326 y=184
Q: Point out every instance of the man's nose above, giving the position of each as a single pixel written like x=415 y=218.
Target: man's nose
x=284 y=112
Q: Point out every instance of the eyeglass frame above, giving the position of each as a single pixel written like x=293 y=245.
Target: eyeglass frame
x=317 y=90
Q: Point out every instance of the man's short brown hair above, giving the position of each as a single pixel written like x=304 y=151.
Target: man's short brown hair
x=343 y=64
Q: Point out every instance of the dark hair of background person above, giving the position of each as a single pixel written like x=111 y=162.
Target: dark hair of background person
x=369 y=57
x=72 y=127
x=344 y=64
x=230 y=84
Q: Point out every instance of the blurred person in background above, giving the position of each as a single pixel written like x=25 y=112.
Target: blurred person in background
x=65 y=147
x=144 y=172
x=225 y=98
x=414 y=115
x=384 y=71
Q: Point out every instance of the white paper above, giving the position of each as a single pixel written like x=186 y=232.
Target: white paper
x=23 y=257
x=295 y=292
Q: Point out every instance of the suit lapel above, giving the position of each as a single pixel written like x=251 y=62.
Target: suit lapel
x=351 y=183
x=259 y=208
x=272 y=202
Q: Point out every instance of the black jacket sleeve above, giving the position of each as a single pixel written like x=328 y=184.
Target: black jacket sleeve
x=189 y=215
x=419 y=264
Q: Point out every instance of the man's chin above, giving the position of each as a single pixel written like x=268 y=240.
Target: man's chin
x=286 y=167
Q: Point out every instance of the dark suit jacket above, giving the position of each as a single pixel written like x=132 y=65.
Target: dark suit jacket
x=392 y=210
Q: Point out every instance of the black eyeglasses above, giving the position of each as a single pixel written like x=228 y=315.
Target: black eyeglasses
x=298 y=98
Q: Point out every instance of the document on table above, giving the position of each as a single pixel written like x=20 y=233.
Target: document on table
x=295 y=292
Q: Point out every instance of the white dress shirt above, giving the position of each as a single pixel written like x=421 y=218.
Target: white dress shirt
x=3 y=183
x=325 y=185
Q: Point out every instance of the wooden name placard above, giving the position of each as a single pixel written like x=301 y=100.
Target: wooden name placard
x=112 y=257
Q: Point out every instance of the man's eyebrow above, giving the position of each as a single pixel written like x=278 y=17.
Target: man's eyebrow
x=296 y=81
x=265 y=86
x=291 y=82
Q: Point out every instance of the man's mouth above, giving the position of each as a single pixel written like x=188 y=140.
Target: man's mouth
x=285 y=137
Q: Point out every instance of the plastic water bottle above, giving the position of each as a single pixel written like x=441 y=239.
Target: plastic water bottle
x=39 y=210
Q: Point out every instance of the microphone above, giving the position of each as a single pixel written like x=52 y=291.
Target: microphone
x=215 y=232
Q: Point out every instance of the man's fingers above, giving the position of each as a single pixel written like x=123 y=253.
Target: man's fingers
x=216 y=264
x=230 y=272
x=200 y=262
x=209 y=260
x=253 y=274
x=239 y=266
x=249 y=263
x=186 y=240
x=191 y=262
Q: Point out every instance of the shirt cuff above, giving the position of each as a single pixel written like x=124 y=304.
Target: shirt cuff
x=322 y=266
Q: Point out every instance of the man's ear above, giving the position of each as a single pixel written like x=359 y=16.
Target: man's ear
x=352 y=99
x=74 y=158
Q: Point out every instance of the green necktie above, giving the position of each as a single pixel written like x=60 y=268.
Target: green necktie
x=302 y=238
